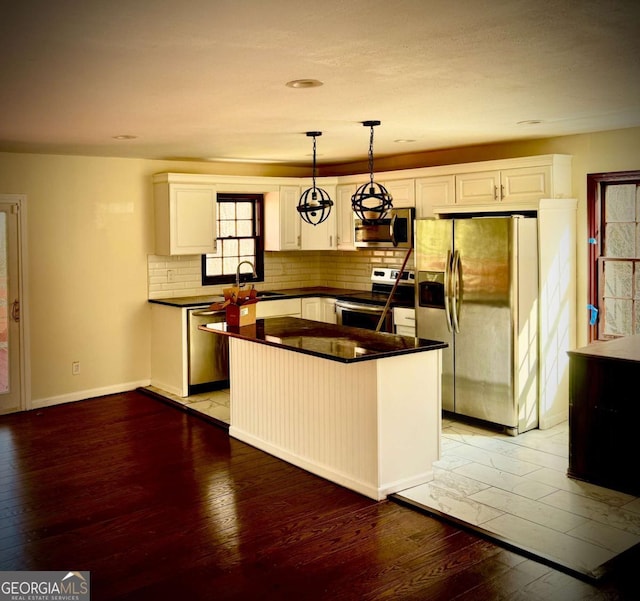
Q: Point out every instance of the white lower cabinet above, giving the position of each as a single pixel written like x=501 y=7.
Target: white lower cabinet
x=404 y=321
x=319 y=308
x=278 y=308
x=169 y=349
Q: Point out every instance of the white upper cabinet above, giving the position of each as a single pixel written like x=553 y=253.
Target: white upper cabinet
x=285 y=229
x=402 y=192
x=324 y=235
x=345 y=216
x=185 y=215
x=185 y=204
x=507 y=186
x=434 y=191
x=281 y=220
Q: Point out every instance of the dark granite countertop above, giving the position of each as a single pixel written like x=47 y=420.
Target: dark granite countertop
x=197 y=301
x=329 y=341
x=620 y=349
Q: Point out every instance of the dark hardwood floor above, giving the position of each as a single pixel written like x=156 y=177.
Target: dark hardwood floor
x=159 y=504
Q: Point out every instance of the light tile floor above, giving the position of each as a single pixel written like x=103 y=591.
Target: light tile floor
x=213 y=404
x=516 y=488
x=513 y=488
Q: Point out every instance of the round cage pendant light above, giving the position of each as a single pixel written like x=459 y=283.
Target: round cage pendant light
x=314 y=205
x=371 y=201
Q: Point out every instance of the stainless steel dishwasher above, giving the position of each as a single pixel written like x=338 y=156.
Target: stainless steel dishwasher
x=208 y=352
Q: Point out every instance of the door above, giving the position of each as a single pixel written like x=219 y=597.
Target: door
x=10 y=331
x=434 y=238
x=484 y=339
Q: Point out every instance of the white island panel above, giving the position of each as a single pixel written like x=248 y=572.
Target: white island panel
x=371 y=426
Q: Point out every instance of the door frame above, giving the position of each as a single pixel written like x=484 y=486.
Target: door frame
x=596 y=182
x=20 y=200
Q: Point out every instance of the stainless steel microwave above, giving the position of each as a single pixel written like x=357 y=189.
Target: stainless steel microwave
x=394 y=231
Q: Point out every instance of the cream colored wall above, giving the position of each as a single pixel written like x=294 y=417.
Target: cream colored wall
x=90 y=233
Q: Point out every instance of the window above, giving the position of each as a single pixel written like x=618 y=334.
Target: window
x=614 y=276
x=240 y=238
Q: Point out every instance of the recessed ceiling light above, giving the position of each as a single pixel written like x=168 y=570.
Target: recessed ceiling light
x=304 y=83
x=125 y=137
x=530 y=122
x=404 y=141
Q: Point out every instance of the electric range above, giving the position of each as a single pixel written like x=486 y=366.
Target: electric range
x=365 y=309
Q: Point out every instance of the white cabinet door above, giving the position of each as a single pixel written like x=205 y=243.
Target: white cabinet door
x=345 y=216
x=278 y=308
x=434 y=191
x=322 y=236
x=329 y=310
x=185 y=218
x=522 y=184
x=402 y=191
x=312 y=308
x=525 y=184
x=482 y=187
x=404 y=321
x=289 y=219
x=281 y=220
x=319 y=308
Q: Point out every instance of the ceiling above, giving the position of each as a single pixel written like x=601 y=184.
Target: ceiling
x=205 y=79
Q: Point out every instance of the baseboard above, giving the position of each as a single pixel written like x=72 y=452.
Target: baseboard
x=87 y=394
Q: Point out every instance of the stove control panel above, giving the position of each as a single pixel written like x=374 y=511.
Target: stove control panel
x=385 y=275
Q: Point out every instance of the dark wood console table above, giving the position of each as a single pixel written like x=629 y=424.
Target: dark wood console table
x=604 y=414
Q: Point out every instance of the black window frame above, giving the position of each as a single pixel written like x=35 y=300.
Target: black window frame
x=257 y=201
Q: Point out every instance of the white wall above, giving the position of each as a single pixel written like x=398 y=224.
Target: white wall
x=90 y=233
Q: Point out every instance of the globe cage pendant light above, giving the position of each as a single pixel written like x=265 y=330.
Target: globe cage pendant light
x=314 y=205
x=371 y=201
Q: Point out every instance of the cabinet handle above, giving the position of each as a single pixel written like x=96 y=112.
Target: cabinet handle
x=495 y=192
x=501 y=192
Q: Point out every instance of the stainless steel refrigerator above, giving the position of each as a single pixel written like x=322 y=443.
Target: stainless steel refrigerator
x=477 y=290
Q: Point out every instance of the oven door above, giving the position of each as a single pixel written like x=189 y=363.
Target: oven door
x=364 y=316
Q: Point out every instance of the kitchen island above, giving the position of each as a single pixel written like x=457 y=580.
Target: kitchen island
x=357 y=407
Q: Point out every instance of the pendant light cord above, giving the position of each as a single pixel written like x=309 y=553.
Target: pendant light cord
x=371 y=156
x=314 y=163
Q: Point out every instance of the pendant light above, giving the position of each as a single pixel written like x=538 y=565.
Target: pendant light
x=314 y=205
x=371 y=201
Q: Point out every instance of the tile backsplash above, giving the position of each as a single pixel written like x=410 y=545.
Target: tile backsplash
x=179 y=276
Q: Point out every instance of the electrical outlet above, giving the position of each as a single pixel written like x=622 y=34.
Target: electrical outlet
x=171 y=274
x=75 y=368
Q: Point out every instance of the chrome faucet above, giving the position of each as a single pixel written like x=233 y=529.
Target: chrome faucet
x=255 y=275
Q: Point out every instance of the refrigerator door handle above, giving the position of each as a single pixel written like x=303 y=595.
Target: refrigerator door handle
x=455 y=291
x=447 y=291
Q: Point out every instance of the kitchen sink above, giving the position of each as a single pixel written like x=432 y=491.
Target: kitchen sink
x=262 y=293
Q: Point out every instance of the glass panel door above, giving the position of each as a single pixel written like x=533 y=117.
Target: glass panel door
x=9 y=310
